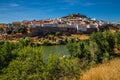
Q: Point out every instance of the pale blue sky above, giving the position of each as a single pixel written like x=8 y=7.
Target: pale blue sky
x=18 y=10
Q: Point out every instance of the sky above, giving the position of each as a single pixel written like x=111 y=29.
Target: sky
x=19 y=10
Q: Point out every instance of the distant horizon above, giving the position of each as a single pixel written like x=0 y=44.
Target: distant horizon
x=12 y=10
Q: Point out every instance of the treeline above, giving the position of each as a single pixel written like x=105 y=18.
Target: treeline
x=101 y=47
x=14 y=29
x=24 y=60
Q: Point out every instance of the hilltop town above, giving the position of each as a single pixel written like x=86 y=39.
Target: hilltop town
x=67 y=25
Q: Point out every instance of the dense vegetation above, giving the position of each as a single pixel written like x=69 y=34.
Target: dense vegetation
x=100 y=47
x=16 y=29
x=24 y=60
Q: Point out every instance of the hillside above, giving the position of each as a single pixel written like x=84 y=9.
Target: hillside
x=106 y=71
x=75 y=16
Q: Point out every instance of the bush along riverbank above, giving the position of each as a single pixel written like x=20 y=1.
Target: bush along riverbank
x=24 y=60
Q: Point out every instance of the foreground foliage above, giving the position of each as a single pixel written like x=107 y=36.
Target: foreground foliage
x=24 y=60
x=106 y=71
x=29 y=64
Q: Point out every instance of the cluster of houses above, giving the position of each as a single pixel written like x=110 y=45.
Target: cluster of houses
x=71 y=25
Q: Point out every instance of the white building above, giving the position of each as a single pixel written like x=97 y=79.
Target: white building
x=49 y=25
x=81 y=28
x=91 y=26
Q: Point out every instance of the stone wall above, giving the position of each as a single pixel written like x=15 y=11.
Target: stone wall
x=36 y=31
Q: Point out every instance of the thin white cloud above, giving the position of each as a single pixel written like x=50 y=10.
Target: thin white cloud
x=84 y=3
x=89 y=4
x=71 y=2
x=13 y=5
x=79 y=2
x=96 y=3
x=8 y=6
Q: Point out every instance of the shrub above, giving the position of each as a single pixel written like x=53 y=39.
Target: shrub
x=24 y=42
x=45 y=42
x=57 y=33
x=7 y=53
x=60 y=42
x=61 y=68
x=21 y=29
x=105 y=42
x=98 y=48
x=79 y=50
x=117 y=40
x=30 y=65
x=2 y=42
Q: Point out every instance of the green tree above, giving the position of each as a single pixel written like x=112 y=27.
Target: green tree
x=79 y=49
x=24 y=42
x=93 y=48
x=21 y=29
x=7 y=53
x=1 y=30
x=57 y=33
x=45 y=42
x=62 y=68
x=117 y=40
x=28 y=66
x=105 y=42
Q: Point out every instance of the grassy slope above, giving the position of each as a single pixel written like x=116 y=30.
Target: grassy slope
x=106 y=71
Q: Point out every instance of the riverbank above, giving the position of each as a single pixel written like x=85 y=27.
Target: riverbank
x=106 y=71
x=48 y=39
x=51 y=39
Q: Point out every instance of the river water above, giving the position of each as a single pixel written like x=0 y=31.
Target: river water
x=56 y=49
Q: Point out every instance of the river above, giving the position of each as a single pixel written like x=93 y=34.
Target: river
x=56 y=49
